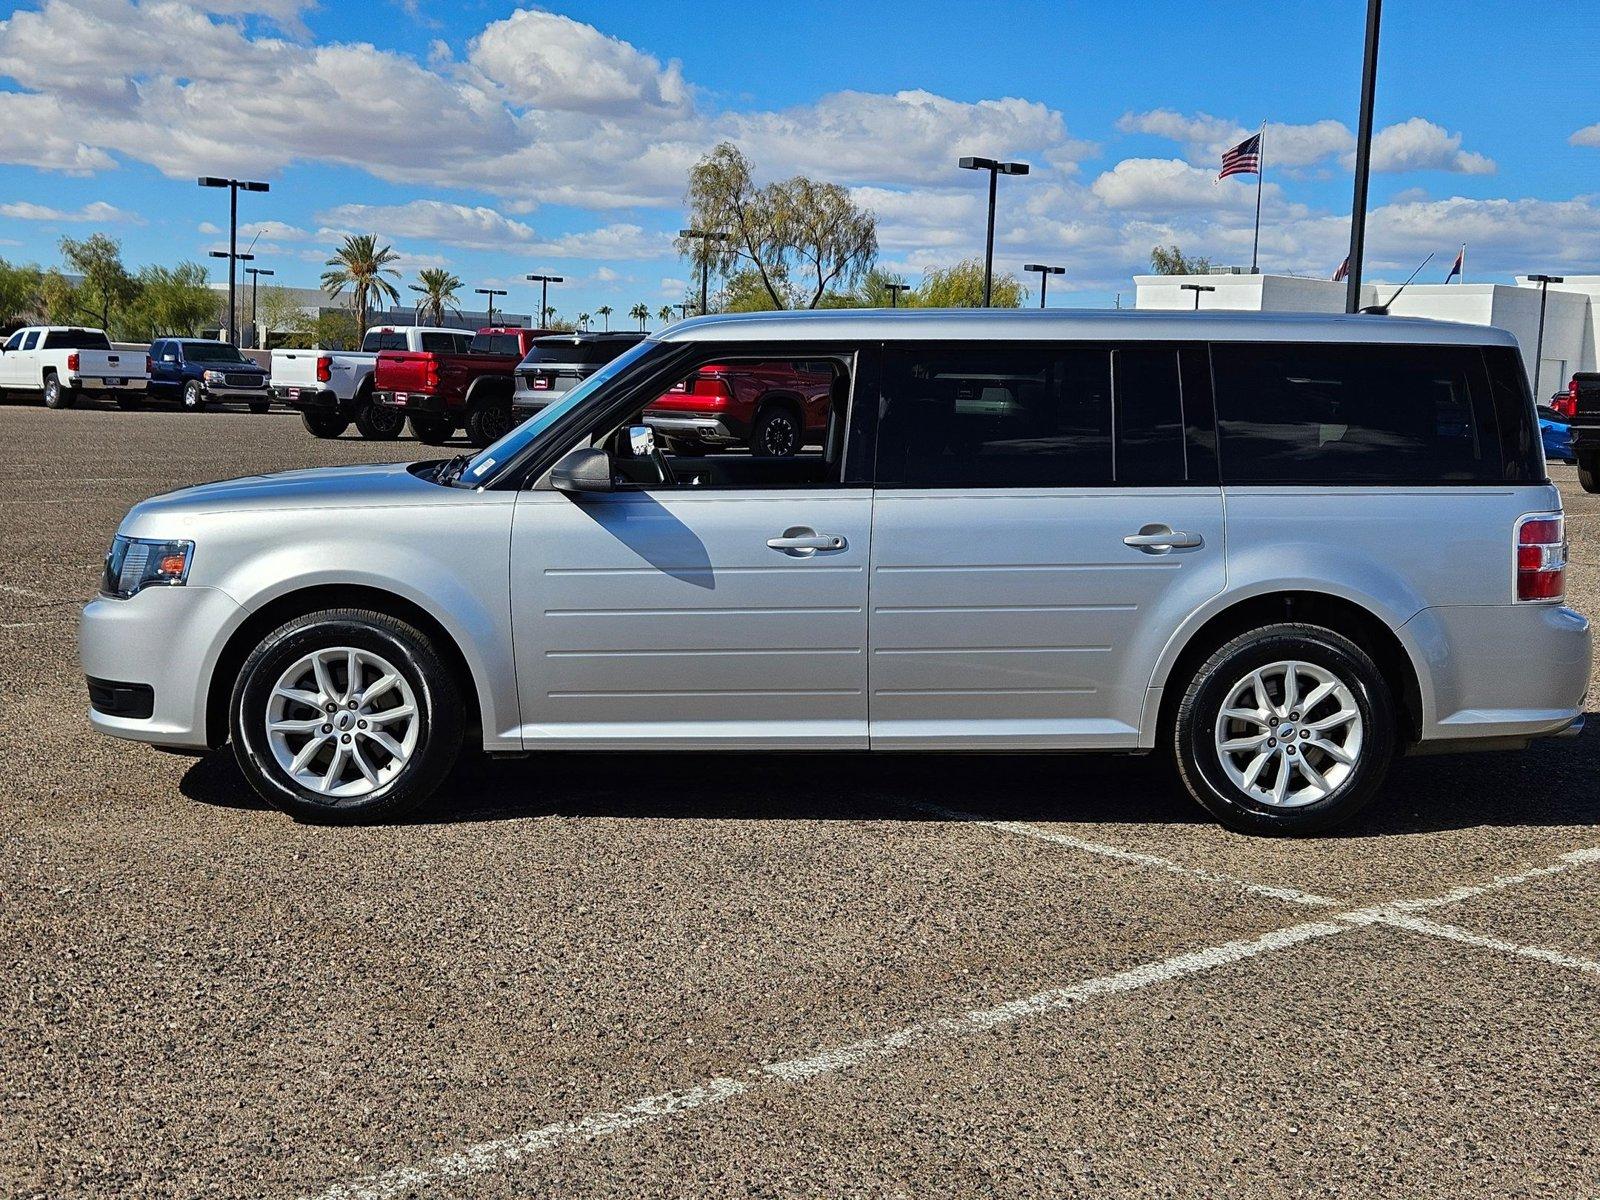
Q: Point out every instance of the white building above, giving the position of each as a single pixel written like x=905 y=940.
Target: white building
x=1571 y=320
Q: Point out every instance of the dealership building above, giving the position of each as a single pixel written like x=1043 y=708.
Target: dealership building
x=1571 y=319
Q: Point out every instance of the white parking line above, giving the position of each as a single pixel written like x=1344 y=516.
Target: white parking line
x=501 y=1152
x=1455 y=933
x=29 y=593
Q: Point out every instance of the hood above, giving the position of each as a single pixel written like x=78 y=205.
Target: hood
x=364 y=486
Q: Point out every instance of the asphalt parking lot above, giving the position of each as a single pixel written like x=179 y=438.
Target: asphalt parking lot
x=705 y=975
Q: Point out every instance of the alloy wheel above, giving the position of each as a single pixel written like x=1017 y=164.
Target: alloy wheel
x=1289 y=734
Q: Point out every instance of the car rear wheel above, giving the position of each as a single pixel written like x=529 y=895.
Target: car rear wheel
x=488 y=420
x=345 y=715
x=1285 y=730
x=194 y=396
x=434 y=431
x=776 y=433
x=324 y=425
x=1589 y=472
x=55 y=395
x=378 y=423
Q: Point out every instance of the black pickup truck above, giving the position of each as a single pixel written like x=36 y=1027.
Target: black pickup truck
x=1585 y=392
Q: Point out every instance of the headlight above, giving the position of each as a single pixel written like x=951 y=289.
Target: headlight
x=135 y=563
x=214 y=377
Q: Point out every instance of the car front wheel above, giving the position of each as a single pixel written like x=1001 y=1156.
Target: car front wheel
x=194 y=396
x=345 y=715
x=1285 y=730
x=324 y=424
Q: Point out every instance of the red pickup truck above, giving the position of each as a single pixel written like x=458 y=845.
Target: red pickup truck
x=441 y=392
x=775 y=408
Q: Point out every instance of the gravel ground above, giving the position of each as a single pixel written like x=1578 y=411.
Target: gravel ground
x=750 y=975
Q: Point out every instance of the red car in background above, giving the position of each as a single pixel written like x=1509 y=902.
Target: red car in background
x=442 y=391
x=774 y=408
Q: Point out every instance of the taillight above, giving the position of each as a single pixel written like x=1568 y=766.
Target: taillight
x=1565 y=405
x=712 y=388
x=1541 y=557
x=72 y=362
x=324 y=368
x=149 y=364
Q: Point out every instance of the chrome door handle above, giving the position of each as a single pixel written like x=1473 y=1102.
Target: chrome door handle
x=1158 y=539
x=801 y=542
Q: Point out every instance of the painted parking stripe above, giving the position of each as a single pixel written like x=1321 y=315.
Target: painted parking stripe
x=503 y=1152
x=1454 y=933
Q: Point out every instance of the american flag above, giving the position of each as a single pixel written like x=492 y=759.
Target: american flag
x=1343 y=270
x=1243 y=159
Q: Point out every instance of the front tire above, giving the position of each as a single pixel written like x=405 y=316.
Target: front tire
x=345 y=716
x=378 y=423
x=324 y=424
x=56 y=396
x=1589 y=472
x=489 y=420
x=1285 y=730
x=194 y=396
x=260 y=406
x=432 y=431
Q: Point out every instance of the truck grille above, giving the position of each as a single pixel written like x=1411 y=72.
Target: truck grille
x=243 y=380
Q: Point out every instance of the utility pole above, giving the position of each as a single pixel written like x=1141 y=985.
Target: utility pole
x=1544 y=282
x=1358 y=203
x=704 y=236
x=1197 y=288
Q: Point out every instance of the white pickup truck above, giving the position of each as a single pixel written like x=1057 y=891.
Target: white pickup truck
x=331 y=388
x=63 y=362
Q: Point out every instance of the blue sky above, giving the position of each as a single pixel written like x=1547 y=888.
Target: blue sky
x=500 y=141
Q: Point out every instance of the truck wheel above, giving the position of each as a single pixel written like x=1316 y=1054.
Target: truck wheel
x=324 y=425
x=126 y=401
x=1285 y=730
x=345 y=715
x=378 y=423
x=260 y=406
x=1589 y=472
x=55 y=395
x=776 y=433
x=194 y=396
x=488 y=420
x=434 y=431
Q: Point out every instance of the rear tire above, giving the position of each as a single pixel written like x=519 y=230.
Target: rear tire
x=489 y=420
x=260 y=406
x=1589 y=472
x=377 y=423
x=126 y=402
x=57 y=396
x=324 y=425
x=433 y=431
x=194 y=396
x=381 y=750
x=777 y=433
x=1279 y=767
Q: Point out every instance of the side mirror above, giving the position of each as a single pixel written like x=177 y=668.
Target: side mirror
x=584 y=470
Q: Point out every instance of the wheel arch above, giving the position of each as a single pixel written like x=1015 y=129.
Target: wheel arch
x=489 y=387
x=785 y=399
x=1341 y=614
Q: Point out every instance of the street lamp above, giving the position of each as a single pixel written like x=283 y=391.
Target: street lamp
x=234 y=186
x=683 y=311
x=491 y=293
x=240 y=257
x=995 y=169
x=1044 y=277
x=1544 y=282
x=704 y=235
x=1197 y=288
x=255 y=274
x=1358 y=202
x=544 y=282
x=894 y=290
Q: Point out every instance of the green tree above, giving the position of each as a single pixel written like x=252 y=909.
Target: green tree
x=664 y=313
x=19 y=292
x=276 y=312
x=171 y=301
x=605 y=311
x=333 y=330
x=107 y=287
x=360 y=265
x=641 y=314
x=583 y=320
x=746 y=291
x=438 y=288
x=797 y=229
x=873 y=290
x=961 y=286
x=549 y=316
x=1169 y=260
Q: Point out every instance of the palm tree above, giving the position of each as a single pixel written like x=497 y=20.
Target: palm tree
x=438 y=287
x=583 y=320
x=360 y=265
x=549 y=313
x=605 y=311
x=641 y=314
x=665 y=313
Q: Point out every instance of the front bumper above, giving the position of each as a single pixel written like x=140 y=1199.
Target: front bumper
x=417 y=402
x=167 y=639
x=223 y=391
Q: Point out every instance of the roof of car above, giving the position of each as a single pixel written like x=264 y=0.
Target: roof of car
x=937 y=324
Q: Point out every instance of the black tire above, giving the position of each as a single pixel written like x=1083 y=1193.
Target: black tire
x=1199 y=760
x=1589 y=472
x=777 y=432
x=260 y=406
x=324 y=424
x=194 y=396
x=434 y=431
x=376 y=422
x=126 y=401
x=489 y=420
x=434 y=687
x=56 y=395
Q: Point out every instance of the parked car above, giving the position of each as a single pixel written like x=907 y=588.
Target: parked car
x=556 y=364
x=62 y=362
x=774 y=408
x=1584 y=423
x=198 y=371
x=1555 y=426
x=445 y=390
x=1218 y=536
x=332 y=388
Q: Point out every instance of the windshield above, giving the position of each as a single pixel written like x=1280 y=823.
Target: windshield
x=482 y=467
x=211 y=352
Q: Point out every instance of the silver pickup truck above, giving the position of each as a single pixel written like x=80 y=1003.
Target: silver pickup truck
x=63 y=362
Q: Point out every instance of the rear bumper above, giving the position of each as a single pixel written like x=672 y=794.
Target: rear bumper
x=306 y=399
x=526 y=400
x=710 y=431
x=412 y=402
x=106 y=383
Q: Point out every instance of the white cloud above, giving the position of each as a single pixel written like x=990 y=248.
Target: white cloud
x=466 y=226
x=1589 y=135
x=99 y=211
x=1165 y=183
x=1420 y=145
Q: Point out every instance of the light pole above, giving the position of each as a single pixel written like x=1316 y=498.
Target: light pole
x=1044 y=277
x=704 y=235
x=255 y=274
x=544 y=282
x=683 y=311
x=995 y=169
x=1197 y=288
x=234 y=186
x=233 y=335
x=894 y=290
x=491 y=293
x=1544 y=282
x=1358 y=202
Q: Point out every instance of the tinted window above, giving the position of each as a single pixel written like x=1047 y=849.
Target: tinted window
x=383 y=339
x=14 y=342
x=211 y=352
x=76 y=339
x=496 y=343
x=995 y=416
x=1149 y=399
x=584 y=352
x=1309 y=414
x=443 y=343
x=29 y=341
x=1513 y=406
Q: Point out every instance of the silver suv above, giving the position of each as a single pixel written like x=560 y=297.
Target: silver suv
x=1282 y=549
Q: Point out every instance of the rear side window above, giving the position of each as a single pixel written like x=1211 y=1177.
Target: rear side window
x=496 y=343
x=1513 y=407
x=443 y=343
x=29 y=341
x=383 y=339
x=1291 y=413
x=75 y=339
x=1149 y=404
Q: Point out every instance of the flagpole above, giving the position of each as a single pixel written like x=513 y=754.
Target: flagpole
x=1462 y=277
x=1261 y=170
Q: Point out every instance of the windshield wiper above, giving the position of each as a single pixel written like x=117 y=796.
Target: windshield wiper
x=451 y=470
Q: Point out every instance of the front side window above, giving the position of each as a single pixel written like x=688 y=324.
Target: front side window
x=14 y=342
x=1351 y=414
